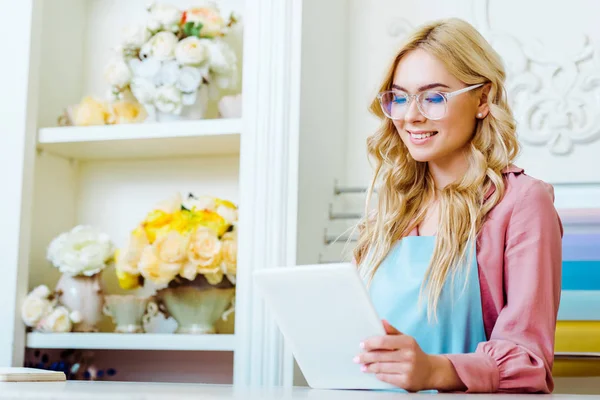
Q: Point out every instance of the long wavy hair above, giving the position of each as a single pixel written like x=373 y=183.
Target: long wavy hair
x=404 y=187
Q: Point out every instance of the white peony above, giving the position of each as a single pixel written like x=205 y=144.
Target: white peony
x=160 y=46
x=134 y=36
x=143 y=89
x=82 y=251
x=164 y=15
x=34 y=308
x=168 y=74
x=168 y=99
x=192 y=51
x=58 y=320
x=41 y=291
x=146 y=68
x=189 y=79
x=117 y=73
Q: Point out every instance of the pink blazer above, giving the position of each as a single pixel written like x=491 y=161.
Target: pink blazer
x=519 y=254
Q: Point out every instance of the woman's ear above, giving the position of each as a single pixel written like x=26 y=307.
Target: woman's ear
x=483 y=108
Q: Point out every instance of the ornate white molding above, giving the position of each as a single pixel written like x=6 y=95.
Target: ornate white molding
x=268 y=182
x=555 y=95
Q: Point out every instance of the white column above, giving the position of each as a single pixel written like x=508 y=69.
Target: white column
x=269 y=181
x=19 y=46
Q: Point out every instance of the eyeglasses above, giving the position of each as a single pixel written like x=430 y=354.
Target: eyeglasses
x=432 y=104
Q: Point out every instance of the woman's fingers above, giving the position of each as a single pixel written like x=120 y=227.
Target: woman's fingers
x=383 y=368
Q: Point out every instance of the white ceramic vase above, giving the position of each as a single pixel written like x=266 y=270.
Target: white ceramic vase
x=127 y=311
x=196 y=309
x=83 y=294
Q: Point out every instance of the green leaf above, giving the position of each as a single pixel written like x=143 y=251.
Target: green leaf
x=187 y=28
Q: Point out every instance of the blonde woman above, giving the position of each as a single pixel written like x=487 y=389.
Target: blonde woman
x=463 y=251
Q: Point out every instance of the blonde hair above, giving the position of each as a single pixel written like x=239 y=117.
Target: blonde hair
x=404 y=186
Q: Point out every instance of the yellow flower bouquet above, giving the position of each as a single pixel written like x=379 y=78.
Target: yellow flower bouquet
x=181 y=240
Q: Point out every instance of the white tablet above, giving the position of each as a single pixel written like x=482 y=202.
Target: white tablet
x=324 y=312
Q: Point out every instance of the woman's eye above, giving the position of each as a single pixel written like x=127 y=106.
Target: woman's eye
x=433 y=98
x=399 y=100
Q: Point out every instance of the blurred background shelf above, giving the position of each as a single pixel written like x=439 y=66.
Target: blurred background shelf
x=119 y=341
x=146 y=140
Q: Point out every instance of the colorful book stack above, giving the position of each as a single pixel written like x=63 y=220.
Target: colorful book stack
x=577 y=346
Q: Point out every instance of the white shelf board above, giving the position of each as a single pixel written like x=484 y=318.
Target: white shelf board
x=131 y=341
x=145 y=140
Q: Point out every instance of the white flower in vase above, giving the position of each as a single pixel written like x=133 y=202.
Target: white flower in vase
x=163 y=16
x=145 y=68
x=134 y=36
x=59 y=320
x=41 y=291
x=168 y=73
x=82 y=251
x=169 y=100
x=117 y=73
x=189 y=81
x=34 y=308
x=192 y=51
x=222 y=58
x=160 y=46
x=143 y=89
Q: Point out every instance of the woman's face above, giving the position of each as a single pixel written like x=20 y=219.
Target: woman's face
x=440 y=140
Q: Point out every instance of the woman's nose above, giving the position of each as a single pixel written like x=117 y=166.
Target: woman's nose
x=413 y=114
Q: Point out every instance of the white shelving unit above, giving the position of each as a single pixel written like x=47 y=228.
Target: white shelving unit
x=116 y=341
x=278 y=162
x=148 y=140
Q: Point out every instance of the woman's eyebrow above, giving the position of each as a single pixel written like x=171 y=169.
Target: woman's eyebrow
x=426 y=87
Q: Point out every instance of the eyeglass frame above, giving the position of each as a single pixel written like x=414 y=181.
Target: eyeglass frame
x=446 y=95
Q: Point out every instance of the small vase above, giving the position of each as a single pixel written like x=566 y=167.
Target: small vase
x=196 y=308
x=83 y=294
x=128 y=311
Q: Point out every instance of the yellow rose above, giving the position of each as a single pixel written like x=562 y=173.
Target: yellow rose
x=154 y=222
x=171 y=248
x=126 y=112
x=229 y=253
x=205 y=250
x=214 y=278
x=189 y=271
x=128 y=281
x=182 y=222
x=89 y=112
x=211 y=220
x=127 y=259
x=153 y=268
x=210 y=18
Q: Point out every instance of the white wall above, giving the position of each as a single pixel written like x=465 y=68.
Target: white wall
x=550 y=36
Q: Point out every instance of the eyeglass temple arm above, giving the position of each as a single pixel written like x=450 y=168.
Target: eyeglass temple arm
x=460 y=91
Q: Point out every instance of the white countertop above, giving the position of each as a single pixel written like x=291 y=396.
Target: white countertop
x=83 y=390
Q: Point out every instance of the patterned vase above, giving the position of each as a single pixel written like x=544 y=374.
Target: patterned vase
x=83 y=294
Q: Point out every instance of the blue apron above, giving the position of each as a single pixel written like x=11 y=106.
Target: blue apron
x=394 y=292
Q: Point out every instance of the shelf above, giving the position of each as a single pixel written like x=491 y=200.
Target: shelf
x=146 y=140
x=134 y=341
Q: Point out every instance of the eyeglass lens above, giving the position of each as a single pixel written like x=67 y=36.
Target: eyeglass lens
x=431 y=104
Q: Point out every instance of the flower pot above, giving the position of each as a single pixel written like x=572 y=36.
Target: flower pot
x=195 y=309
x=127 y=311
x=83 y=294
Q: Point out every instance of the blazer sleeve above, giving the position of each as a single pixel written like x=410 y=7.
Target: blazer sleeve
x=520 y=353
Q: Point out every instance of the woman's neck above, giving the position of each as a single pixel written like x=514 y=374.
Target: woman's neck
x=448 y=170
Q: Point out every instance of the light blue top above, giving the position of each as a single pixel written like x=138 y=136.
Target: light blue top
x=395 y=290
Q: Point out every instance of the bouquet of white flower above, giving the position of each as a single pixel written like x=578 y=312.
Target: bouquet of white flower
x=166 y=62
x=81 y=251
x=42 y=312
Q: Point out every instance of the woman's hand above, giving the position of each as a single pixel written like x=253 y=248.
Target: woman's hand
x=398 y=359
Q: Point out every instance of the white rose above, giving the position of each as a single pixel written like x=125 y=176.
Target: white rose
x=117 y=73
x=58 y=321
x=75 y=317
x=134 y=36
x=168 y=74
x=189 y=79
x=143 y=89
x=222 y=59
x=210 y=18
x=146 y=68
x=41 y=291
x=168 y=100
x=192 y=51
x=82 y=251
x=34 y=309
x=160 y=46
x=166 y=15
x=230 y=215
x=201 y=203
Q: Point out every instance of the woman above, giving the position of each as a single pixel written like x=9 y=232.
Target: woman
x=463 y=252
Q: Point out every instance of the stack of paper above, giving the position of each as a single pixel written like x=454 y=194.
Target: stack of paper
x=30 y=375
